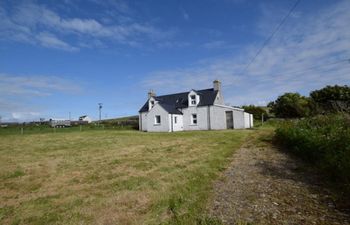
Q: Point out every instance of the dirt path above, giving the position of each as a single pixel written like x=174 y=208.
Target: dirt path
x=265 y=186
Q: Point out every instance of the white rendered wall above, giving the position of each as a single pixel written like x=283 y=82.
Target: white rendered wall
x=179 y=125
x=238 y=119
x=143 y=121
x=202 y=119
x=219 y=100
x=164 y=120
x=218 y=117
x=246 y=120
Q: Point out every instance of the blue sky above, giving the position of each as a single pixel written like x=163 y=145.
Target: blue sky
x=57 y=58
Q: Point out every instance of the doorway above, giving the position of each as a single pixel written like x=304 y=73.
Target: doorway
x=229 y=119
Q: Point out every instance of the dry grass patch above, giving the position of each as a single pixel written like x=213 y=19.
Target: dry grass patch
x=110 y=177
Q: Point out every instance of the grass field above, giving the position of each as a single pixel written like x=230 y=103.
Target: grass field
x=111 y=177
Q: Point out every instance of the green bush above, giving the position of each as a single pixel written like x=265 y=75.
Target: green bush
x=323 y=140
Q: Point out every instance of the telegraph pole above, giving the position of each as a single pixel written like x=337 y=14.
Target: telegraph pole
x=100 y=109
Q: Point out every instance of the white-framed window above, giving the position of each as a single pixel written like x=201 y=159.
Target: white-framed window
x=157 y=119
x=193 y=100
x=152 y=104
x=194 y=119
x=175 y=119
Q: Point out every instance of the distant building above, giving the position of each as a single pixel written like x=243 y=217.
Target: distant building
x=59 y=123
x=85 y=118
x=193 y=110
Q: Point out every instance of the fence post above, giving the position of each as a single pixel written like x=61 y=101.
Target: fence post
x=262 y=119
x=22 y=130
x=81 y=128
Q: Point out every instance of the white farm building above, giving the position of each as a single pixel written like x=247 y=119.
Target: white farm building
x=193 y=110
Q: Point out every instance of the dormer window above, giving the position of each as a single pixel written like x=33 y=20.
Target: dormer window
x=151 y=103
x=193 y=100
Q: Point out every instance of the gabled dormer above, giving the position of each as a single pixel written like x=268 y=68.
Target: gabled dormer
x=151 y=99
x=193 y=98
x=151 y=103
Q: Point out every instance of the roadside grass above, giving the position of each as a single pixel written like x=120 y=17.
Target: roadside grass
x=112 y=177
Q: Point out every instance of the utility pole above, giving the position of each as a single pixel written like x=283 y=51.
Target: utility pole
x=69 y=116
x=99 y=108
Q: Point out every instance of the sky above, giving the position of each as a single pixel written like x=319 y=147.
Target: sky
x=64 y=57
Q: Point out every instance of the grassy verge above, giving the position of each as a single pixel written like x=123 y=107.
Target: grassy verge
x=323 y=141
x=45 y=129
x=111 y=177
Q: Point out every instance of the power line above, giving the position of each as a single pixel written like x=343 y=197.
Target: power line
x=316 y=67
x=271 y=36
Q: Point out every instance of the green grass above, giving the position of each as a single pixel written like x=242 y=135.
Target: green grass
x=111 y=177
x=45 y=129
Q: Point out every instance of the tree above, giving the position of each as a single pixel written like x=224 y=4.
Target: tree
x=290 y=105
x=331 y=99
x=257 y=111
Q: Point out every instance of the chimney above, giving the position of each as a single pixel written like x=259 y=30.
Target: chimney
x=217 y=85
x=151 y=94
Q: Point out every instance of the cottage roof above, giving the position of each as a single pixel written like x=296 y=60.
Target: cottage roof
x=171 y=103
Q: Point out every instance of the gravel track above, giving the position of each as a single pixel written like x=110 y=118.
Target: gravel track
x=264 y=185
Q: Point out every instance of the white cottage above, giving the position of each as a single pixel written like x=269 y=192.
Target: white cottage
x=193 y=110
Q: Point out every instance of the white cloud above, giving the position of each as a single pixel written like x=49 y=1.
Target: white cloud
x=306 y=41
x=37 y=24
x=14 y=85
x=51 y=41
x=17 y=95
x=25 y=116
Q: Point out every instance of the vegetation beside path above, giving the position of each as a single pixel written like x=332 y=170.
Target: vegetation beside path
x=324 y=142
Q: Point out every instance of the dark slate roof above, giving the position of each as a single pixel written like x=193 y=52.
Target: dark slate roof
x=171 y=103
x=170 y=108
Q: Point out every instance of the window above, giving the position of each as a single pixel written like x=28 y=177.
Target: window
x=175 y=119
x=194 y=119
x=157 y=119
x=193 y=100
x=152 y=104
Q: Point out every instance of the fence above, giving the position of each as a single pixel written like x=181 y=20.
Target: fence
x=44 y=129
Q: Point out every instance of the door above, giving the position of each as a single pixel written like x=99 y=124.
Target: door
x=229 y=119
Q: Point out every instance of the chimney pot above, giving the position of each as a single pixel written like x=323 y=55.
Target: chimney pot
x=151 y=93
x=217 y=85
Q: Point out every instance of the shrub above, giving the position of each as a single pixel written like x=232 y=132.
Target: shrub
x=323 y=140
x=331 y=99
x=257 y=111
x=290 y=105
